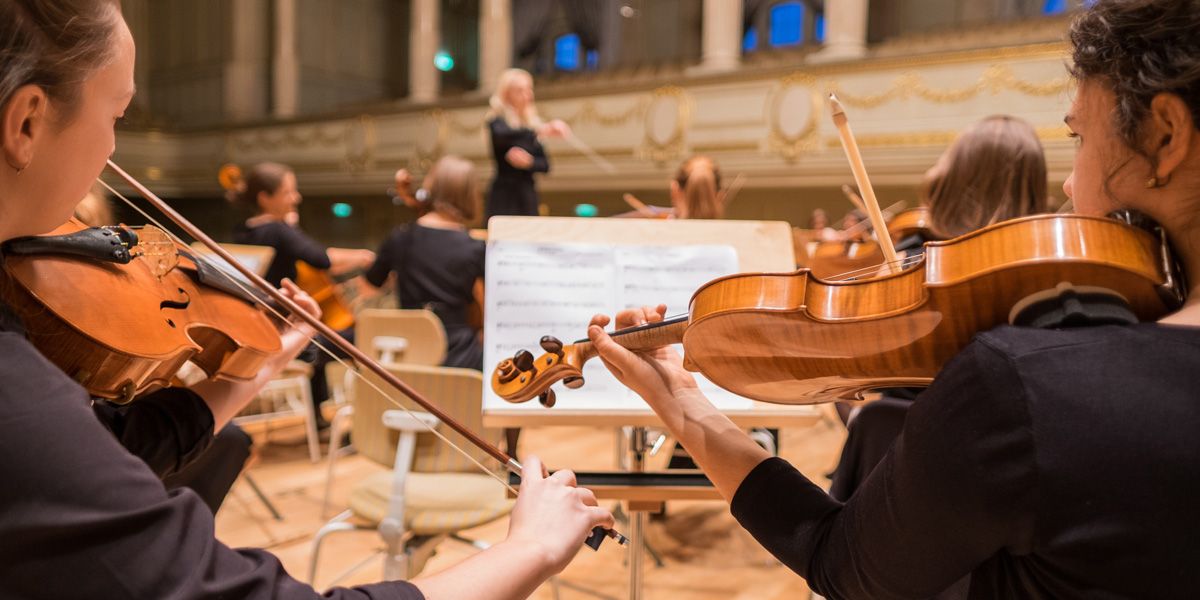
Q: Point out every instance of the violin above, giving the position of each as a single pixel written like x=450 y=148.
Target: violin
x=335 y=311
x=793 y=338
x=120 y=310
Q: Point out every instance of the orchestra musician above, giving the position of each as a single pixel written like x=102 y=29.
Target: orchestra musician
x=696 y=190
x=80 y=515
x=516 y=129
x=1041 y=463
x=994 y=171
x=269 y=191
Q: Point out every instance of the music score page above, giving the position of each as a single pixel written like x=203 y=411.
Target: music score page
x=535 y=289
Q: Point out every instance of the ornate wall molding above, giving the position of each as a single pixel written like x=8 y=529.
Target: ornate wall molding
x=668 y=118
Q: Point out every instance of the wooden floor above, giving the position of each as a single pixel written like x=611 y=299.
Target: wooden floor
x=706 y=555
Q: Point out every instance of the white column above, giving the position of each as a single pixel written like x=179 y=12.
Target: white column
x=286 y=72
x=423 y=77
x=721 y=46
x=245 y=85
x=495 y=42
x=845 y=31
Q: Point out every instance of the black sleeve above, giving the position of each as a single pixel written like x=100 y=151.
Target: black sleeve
x=480 y=257
x=541 y=164
x=167 y=429
x=386 y=260
x=955 y=489
x=83 y=518
x=296 y=244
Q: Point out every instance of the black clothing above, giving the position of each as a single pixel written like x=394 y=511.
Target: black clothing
x=215 y=471
x=512 y=190
x=1045 y=463
x=290 y=244
x=868 y=436
x=81 y=517
x=436 y=269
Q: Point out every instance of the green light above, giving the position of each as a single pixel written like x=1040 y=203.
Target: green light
x=342 y=210
x=586 y=210
x=443 y=61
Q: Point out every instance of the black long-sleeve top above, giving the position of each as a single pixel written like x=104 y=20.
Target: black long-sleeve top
x=1045 y=464
x=290 y=244
x=513 y=191
x=82 y=517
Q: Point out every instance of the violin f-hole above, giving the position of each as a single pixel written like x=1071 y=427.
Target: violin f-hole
x=175 y=304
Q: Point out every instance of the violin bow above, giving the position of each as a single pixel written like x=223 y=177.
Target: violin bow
x=358 y=355
x=587 y=151
x=854 y=198
x=732 y=191
x=639 y=206
x=864 y=183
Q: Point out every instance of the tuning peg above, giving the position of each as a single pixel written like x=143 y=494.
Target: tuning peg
x=523 y=359
x=552 y=345
x=507 y=370
x=547 y=398
x=573 y=382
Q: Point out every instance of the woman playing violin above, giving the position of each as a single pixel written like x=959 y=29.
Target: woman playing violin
x=269 y=190
x=83 y=516
x=1041 y=463
x=995 y=171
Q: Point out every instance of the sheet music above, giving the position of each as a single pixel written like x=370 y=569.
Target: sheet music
x=536 y=289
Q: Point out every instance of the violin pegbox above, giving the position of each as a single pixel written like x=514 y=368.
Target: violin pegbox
x=522 y=377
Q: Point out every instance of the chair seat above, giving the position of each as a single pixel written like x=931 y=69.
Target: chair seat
x=435 y=503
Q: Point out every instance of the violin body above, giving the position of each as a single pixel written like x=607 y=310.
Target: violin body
x=120 y=330
x=335 y=311
x=832 y=259
x=792 y=338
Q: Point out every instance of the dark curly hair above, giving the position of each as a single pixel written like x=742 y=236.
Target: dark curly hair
x=1139 y=49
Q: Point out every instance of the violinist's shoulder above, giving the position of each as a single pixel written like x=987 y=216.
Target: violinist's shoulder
x=1136 y=341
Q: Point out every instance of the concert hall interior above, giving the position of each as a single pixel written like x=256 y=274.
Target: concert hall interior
x=451 y=180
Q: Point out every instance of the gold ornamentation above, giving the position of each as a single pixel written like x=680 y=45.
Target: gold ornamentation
x=422 y=159
x=922 y=139
x=588 y=113
x=290 y=137
x=361 y=159
x=909 y=85
x=675 y=145
x=780 y=142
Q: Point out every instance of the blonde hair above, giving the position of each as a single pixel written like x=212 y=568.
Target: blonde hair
x=454 y=189
x=993 y=172
x=500 y=107
x=699 y=180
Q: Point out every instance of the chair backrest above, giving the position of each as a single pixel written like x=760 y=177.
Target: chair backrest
x=459 y=392
x=423 y=330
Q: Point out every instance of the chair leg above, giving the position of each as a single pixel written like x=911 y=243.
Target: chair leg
x=338 y=523
x=340 y=426
x=263 y=497
x=310 y=422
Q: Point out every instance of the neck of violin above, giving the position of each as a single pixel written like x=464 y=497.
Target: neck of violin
x=646 y=337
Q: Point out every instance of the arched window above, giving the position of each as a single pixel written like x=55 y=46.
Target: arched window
x=787 y=24
x=566 y=52
x=750 y=42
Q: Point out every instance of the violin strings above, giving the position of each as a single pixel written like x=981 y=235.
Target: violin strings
x=349 y=368
x=903 y=263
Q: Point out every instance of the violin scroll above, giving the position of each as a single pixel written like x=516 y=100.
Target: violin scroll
x=523 y=377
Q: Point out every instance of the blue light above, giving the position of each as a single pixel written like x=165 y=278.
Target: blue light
x=586 y=210
x=566 y=52
x=750 y=42
x=342 y=210
x=593 y=60
x=787 y=24
x=443 y=62
x=1054 y=7
x=820 y=33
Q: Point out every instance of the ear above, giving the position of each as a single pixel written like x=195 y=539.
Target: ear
x=260 y=198
x=1171 y=133
x=22 y=124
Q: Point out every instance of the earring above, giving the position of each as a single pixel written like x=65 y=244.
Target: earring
x=1156 y=182
x=19 y=169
